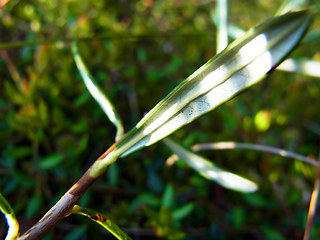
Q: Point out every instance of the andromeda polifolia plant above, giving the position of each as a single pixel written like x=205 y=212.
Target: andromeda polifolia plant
x=243 y=63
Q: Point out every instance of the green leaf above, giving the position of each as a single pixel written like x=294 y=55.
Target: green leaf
x=51 y=161
x=243 y=63
x=208 y=170
x=168 y=196
x=12 y=222
x=97 y=93
x=165 y=217
x=183 y=211
x=101 y=220
x=272 y=234
x=18 y=152
x=238 y=217
x=76 y=233
x=145 y=198
x=33 y=206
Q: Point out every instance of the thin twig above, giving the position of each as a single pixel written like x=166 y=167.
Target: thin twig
x=250 y=146
x=312 y=206
x=113 y=36
x=257 y=147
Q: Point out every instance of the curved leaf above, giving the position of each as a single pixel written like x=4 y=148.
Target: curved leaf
x=12 y=222
x=101 y=220
x=242 y=64
x=96 y=92
x=210 y=171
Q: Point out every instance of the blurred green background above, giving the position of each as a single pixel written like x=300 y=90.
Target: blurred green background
x=51 y=130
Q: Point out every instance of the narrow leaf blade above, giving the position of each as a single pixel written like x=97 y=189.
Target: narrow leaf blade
x=101 y=220
x=97 y=93
x=12 y=221
x=242 y=64
x=208 y=170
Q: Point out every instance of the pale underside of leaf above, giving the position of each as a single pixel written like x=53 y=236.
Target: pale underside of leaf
x=210 y=171
x=242 y=64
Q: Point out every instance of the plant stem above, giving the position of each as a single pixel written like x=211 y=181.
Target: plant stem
x=312 y=206
x=64 y=205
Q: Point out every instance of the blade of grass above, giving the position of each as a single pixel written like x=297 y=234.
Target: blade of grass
x=307 y=67
x=220 y=17
x=101 y=220
x=13 y=225
x=210 y=171
x=97 y=93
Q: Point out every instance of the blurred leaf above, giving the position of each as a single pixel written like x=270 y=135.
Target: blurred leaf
x=22 y=178
x=238 y=216
x=113 y=174
x=210 y=171
x=163 y=225
x=165 y=217
x=168 y=197
x=272 y=234
x=51 y=161
x=13 y=225
x=145 y=198
x=18 y=152
x=76 y=234
x=220 y=18
x=154 y=181
x=182 y=212
x=101 y=220
x=256 y=200
x=34 y=205
x=290 y=5
x=307 y=67
x=242 y=64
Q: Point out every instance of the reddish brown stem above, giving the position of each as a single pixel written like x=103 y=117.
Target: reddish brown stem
x=64 y=205
x=312 y=206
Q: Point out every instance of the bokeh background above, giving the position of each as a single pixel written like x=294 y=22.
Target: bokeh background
x=51 y=130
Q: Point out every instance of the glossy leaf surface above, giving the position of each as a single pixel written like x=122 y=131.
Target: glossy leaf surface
x=13 y=226
x=242 y=64
x=208 y=170
x=101 y=220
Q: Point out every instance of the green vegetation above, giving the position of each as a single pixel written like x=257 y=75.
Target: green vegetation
x=52 y=130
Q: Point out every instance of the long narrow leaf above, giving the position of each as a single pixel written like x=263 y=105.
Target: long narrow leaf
x=307 y=67
x=97 y=93
x=210 y=171
x=12 y=222
x=101 y=220
x=242 y=64
x=220 y=18
x=290 y=5
x=256 y=147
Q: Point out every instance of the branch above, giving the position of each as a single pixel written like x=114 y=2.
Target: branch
x=312 y=206
x=65 y=204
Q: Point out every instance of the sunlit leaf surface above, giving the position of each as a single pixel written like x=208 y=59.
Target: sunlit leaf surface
x=97 y=93
x=101 y=220
x=13 y=226
x=242 y=64
x=210 y=171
